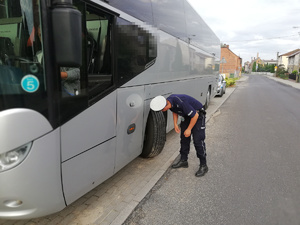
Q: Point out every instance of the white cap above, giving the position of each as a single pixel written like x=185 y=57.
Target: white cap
x=158 y=103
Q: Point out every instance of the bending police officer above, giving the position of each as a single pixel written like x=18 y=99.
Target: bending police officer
x=193 y=123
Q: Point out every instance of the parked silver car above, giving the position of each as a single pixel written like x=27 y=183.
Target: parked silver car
x=221 y=86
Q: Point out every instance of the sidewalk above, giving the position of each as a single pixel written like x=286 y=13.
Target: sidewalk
x=287 y=82
x=114 y=200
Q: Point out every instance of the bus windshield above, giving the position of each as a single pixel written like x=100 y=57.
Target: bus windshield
x=22 y=78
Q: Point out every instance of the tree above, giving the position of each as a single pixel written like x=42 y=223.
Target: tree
x=254 y=67
x=260 y=68
x=272 y=70
x=281 y=71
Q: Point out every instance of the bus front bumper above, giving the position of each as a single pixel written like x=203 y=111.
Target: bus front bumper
x=33 y=188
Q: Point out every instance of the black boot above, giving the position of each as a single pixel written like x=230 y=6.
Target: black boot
x=202 y=170
x=181 y=163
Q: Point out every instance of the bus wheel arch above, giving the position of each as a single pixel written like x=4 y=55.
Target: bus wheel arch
x=155 y=134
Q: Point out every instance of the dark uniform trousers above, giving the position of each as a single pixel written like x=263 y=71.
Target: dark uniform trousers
x=198 y=133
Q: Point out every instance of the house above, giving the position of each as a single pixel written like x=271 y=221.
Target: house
x=231 y=64
x=283 y=59
x=294 y=62
x=257 y=61
x=260 y=63
x=270 y=62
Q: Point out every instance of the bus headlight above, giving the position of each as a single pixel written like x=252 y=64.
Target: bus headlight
x=14 y=157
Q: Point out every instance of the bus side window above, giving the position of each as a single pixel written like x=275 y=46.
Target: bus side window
x=98 y=30
x=136 y=50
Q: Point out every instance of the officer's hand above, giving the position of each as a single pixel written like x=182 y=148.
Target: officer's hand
x=177 y=128
x=187 y=133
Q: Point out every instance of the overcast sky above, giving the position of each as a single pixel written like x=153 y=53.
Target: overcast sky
x=256 y=26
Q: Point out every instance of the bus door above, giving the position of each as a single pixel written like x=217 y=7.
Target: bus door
x=88 y=140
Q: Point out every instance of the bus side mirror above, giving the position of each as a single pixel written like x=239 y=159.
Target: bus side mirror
x=67 y=34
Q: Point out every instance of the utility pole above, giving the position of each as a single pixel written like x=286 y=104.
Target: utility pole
x=298 y=76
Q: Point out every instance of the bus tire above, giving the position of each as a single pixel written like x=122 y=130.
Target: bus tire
x=155 y=134
x=207 y=100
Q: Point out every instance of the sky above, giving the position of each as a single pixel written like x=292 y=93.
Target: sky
x=250 y=27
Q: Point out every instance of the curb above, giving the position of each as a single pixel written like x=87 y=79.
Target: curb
x=121 y=218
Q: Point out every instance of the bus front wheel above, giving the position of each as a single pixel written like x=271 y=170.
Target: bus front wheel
x=155 y=135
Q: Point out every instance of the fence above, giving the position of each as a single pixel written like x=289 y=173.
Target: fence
x=292 y=76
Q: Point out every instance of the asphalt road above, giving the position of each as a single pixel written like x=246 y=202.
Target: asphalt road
x=253 y=146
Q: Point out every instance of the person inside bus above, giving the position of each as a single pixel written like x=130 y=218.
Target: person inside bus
x=70 y=80
x=193 y=123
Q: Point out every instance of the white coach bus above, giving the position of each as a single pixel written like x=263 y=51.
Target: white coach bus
x=61 y=137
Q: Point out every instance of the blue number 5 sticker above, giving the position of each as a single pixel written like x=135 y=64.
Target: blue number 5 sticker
x=30 y=83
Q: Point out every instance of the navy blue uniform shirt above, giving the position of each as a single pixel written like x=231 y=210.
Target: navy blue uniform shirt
x=184 y=105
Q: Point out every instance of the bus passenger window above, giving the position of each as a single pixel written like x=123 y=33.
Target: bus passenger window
x=98 y=33
x=136 y=50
